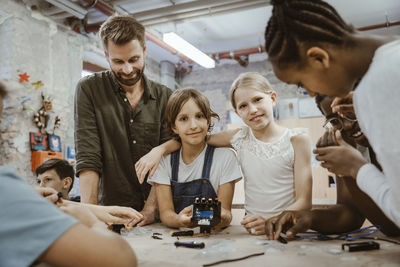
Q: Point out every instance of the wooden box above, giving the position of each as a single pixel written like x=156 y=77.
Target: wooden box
x=38 y=157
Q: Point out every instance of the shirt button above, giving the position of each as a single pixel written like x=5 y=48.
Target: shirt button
x=134 y=141
x=125 y=99
x=131 y=120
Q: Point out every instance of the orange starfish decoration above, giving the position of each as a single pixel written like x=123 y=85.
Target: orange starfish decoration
x=23 y=77
x=37 y=84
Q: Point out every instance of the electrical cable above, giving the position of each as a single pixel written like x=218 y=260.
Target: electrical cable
x=231 y=260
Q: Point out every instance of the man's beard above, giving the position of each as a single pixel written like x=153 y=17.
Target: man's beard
x=129 y=82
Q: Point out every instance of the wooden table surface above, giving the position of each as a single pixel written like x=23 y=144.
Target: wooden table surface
x=235 y=242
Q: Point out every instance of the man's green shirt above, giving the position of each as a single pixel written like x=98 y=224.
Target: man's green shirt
x=110 y=136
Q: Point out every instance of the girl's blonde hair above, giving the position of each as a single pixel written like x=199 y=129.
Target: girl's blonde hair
x=250 y=80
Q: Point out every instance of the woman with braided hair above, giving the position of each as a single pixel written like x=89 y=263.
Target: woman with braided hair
x=310 y=45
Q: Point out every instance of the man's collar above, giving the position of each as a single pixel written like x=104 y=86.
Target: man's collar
x=116 y=86
x=148 y=89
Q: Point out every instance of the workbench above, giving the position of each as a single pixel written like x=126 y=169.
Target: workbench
x=235 y=242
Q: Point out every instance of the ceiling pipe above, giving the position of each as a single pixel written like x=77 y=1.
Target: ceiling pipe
x=190 y=16
x=379 y=26
x=241 y=55
x=101 y=6
x=238 y=55
x=192 y=6
x=52 y=11
x=78 y=27
x=109 y=11
x=70 y=7
x=191 y=10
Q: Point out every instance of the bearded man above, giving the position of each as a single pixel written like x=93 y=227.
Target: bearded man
x=119 y=117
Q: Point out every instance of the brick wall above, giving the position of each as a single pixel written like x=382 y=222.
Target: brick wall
x=52 y=54
x=48 y=52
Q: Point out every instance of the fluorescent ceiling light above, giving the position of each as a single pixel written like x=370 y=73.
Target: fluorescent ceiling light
x=188 y=50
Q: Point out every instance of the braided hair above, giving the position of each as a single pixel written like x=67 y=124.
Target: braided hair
x=302 y=21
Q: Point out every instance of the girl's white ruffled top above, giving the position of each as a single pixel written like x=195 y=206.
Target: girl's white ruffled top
x=267 y=171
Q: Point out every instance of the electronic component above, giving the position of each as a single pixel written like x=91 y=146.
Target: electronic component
x=156 y=236
x=359 y=246
x=282 y=239
x=116 y=227
x=193 y=244
x=206 y=213
x=183 y=233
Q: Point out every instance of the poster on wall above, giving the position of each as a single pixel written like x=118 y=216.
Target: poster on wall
x=54 y=143
x=308 y=108
x=38 y=141
x=287 y=108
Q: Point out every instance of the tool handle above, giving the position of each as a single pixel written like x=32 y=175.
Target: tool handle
x=192 y=244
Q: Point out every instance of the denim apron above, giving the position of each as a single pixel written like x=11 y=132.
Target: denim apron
x=184 y=193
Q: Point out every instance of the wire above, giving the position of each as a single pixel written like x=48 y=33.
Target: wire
x=349 y=236
x=237 y=259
